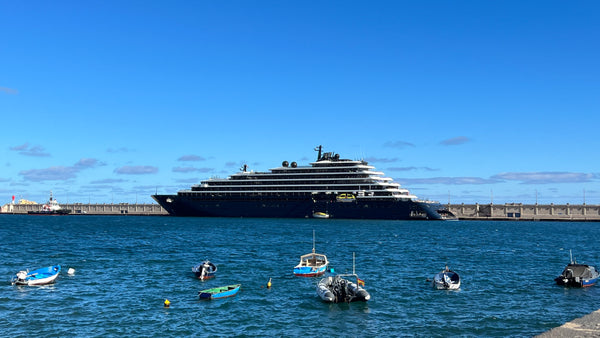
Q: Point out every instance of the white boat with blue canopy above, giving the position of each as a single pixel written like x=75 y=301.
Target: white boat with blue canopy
x=40 y=276
x=312 y=264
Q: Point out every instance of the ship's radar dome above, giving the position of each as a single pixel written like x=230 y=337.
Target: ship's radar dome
x=285 y=163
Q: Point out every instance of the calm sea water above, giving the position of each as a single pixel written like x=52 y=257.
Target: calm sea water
x=125 y=267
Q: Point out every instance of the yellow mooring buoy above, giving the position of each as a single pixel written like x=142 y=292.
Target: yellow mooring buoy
x=269 y=284
x=167 y=303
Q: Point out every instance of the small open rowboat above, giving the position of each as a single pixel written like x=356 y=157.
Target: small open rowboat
x=40 y=276
x=220 y=292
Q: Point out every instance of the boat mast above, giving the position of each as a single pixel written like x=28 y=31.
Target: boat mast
x=313 y=243
x=571 y=254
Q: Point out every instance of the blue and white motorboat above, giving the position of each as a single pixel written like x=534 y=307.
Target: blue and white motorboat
x=312 y=264
x=577 y=275
x=40 y=276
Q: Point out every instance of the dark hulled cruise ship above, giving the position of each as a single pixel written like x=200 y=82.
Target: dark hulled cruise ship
x=330 y=187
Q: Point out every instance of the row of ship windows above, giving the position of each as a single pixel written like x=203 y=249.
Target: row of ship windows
x=254 y=193
x=378 y=206
x=301 y=177
x=290 y=183
x=292 y=188
x=326 y=170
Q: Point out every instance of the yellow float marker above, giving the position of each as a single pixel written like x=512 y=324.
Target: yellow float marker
x=167 y=303
x=269 y=284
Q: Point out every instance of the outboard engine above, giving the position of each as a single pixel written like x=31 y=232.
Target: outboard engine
x=21 y=275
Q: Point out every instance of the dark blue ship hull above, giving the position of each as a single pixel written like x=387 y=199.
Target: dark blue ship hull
x=290 y=207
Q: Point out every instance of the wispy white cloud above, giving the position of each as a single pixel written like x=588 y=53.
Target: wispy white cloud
x=108 y=181
x=546 y=177
x=191 y=158
x=191 y=169
x=411 y=169
x=455 y=141
x=187 y=180
x=59 y=173
x=136 y=170
x=27 y=150
x=85 y=163
x=522 y=177
x=398 y=144
x=9 y=90
x=118 y=150
x=21 y=147
x=381 y=159
x=448 y=180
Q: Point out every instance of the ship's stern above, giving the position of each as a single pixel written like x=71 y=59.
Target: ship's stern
x=436 y=211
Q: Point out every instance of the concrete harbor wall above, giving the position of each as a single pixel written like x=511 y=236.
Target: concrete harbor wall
x=500 y=212
x=526 y=212
x=94 y=209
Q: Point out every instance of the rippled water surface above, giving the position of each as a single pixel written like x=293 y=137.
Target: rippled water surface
x=127 y=266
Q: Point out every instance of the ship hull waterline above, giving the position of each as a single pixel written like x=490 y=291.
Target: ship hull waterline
x=176 y=205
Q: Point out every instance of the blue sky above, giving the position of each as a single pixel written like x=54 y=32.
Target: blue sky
x=460 y=101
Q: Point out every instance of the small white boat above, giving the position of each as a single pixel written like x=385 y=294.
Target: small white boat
x=320 y=214
x=205 y=270
x=40 y=276
x=446 y=280
x=50 y=208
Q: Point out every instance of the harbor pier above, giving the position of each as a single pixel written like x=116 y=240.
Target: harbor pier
x=526 y=212
x=125 y=209
x=586 y=326
x=492 y=212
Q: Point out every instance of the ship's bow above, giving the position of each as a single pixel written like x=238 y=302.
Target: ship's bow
x=168 y=202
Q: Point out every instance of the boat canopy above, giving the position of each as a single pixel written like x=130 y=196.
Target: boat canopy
x=578 y=270
x=313 y=258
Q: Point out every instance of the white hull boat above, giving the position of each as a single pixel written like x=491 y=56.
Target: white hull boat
x=40 y=276
x=446 y=280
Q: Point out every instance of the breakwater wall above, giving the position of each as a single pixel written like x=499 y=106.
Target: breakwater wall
x=500 y=212
x=94 y=209
x=526 y=212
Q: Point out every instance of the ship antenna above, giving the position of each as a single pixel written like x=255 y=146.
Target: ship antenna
x=319 y=148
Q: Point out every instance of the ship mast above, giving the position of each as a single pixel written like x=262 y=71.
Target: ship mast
x=319 y=148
